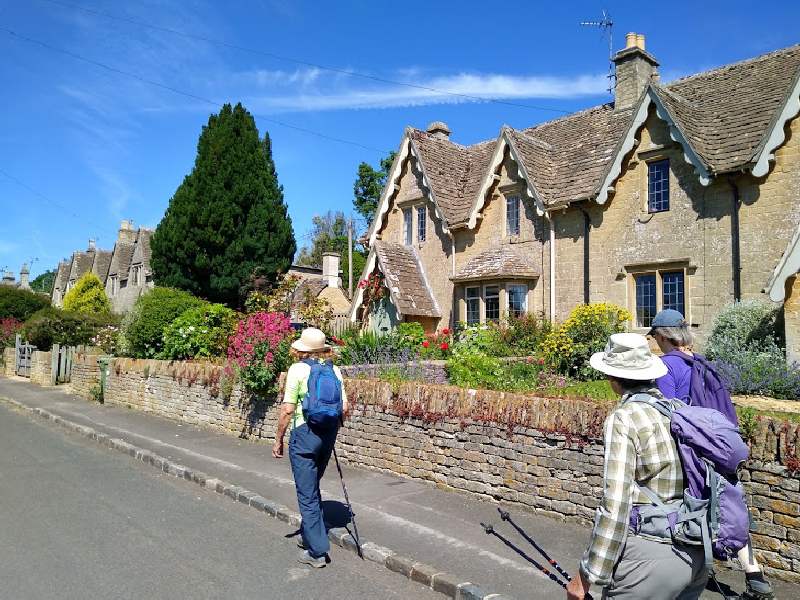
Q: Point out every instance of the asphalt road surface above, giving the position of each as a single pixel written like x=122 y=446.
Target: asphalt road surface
x=80 y=522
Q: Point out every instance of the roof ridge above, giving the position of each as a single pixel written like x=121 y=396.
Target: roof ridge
x=533 y=139
x=739 y=63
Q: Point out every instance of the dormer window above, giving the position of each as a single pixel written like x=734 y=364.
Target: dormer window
x=512 y=215
x=658 y=186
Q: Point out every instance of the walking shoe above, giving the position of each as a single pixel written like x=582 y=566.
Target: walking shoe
x=758 y=588
x=306 y=559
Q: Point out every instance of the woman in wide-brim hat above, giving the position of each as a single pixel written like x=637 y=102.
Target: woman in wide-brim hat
x=309 y=449
x=639 y=451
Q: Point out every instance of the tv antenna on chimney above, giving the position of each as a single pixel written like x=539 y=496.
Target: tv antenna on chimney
x=606 y=26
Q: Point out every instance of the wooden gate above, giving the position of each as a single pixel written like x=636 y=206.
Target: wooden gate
x=62 y=357
x=23 y=354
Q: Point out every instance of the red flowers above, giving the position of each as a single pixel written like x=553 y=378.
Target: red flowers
x=426 y=344
x=541 y=361
x=444 y=346
x=445 y=331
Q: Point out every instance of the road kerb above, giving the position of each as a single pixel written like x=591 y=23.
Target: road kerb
x=432 y=578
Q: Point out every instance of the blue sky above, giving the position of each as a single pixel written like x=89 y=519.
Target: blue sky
x=82 y=147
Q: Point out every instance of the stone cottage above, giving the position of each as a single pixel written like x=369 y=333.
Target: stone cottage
x=324 y=283
x=124 y=271
x=24 y=278
x=682 y=195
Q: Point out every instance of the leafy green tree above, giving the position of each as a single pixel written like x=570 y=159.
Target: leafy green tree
x=329 y=234
x=44 y=282
x=20 y=304
x=87 y=296
x=227 y=223
x=369 y=185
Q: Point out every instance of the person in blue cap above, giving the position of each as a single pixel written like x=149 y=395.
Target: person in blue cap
x=671 y=332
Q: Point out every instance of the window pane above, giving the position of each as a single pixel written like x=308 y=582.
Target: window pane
x=517 y=300
x=473 y=305
x=492 y=302
x=422 y=223
x=645 y=300
x=407 y=226
x=672 y=289
x=658 y=186
x=512 y=215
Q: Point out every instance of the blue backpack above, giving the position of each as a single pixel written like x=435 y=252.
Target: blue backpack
x=322 y=406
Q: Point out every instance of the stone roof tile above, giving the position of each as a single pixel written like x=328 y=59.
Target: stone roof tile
x=501 y=262
x=406 y=280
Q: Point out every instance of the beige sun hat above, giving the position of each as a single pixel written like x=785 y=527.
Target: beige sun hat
x=628 y=356
x=311 y=340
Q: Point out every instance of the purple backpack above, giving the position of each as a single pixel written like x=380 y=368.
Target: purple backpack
x=712 y=512
x=706 y=387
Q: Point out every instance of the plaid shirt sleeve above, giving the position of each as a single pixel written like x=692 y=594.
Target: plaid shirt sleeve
x=611 y=520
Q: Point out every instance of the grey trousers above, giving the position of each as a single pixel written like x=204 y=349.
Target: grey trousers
x=655 y=571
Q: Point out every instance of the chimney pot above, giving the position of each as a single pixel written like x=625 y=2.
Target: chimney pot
x=330 y=269
x=439 y=129
x=92 y=245
x=640 y=41
x=631 y=40
x=24 y=281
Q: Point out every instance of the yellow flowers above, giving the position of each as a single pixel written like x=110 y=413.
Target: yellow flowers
x=567 y=348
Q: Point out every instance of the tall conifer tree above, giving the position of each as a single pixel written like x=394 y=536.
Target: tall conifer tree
x=227 y=223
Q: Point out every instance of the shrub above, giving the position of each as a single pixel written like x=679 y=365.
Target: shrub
x=9 y=327
x=107 y=338
x=525 y=334
x=200 y=332
x=143 y=328
x=487 y=339
x=87 y=296
x=749 y=371
x=411 y=332
x=471 y=368
x=55 y=326
x=368 y=348
x=259 y=350
x=567 y=348
x=20 y=304
x=750 y=325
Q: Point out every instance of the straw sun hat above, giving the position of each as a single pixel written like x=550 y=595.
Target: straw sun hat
x=311 y=340
x=628 y=356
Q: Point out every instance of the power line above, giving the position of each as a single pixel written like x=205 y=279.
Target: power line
x=304 y=63
x=174 y=90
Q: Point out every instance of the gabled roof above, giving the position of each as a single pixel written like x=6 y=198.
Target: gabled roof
x=405 y=278
x=62 y=275
x=81 y=264
x=101 y=263
x=726 y=119
x=141 y=252
x=500 y=262
x=312 y=285
x=121 y=259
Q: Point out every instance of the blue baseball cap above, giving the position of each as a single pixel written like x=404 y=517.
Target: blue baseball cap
x=667 y=318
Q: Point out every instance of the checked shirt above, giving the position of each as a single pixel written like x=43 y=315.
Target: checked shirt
x=639 y=449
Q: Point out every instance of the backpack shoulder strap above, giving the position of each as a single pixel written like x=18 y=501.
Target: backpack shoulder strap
x=661 y=405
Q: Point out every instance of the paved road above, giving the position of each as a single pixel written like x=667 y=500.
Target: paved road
x=78 y=521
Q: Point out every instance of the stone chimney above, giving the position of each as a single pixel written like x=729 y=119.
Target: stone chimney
x=8 y=278
x=127 y=233
x=635 y=68
x=92 y=245
x=330 y=269
x=439 y=130
x=24 y=277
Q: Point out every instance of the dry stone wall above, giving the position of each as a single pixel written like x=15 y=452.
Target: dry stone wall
x=541 y=454
x=8 y=362
x=41 y=368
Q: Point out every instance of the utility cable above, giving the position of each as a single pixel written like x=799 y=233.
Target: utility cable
x=174 y=90
x=304 y=63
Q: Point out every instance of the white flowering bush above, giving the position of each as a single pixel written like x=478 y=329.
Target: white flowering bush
x=106 y=339
x=200 y=332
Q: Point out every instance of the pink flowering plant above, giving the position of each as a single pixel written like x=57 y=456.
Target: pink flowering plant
x=9 y=327
x=259 y=350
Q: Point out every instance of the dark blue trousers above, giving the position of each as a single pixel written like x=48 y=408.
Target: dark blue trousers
x=309 y=453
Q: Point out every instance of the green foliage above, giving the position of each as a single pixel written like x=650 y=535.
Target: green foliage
x=524 y=335
x=20 y=304
x=96 y=393
x=107 y=338
x=487 y=339
x=471 y=368
x=227 y=225
x=411 y=332
x=567 y=348
x=51 y=326
x=749 y=325
x=369 y=185
x=44 y=283
x=87 y=296
x=199 y=332
x=748 y=422
x=143 y=327
x=329 y=234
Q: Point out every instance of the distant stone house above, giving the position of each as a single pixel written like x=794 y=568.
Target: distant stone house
x=682 y=195
x=8 y=278
x=124 y=271
x=324 y=283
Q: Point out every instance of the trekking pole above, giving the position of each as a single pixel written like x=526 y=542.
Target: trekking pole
x=349 y=506
x=507 y=517
x=489 y=529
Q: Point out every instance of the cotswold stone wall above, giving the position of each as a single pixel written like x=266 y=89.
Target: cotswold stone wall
x=8 y=362
x=542 y=454
x=41 y=368
x=85 y=373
